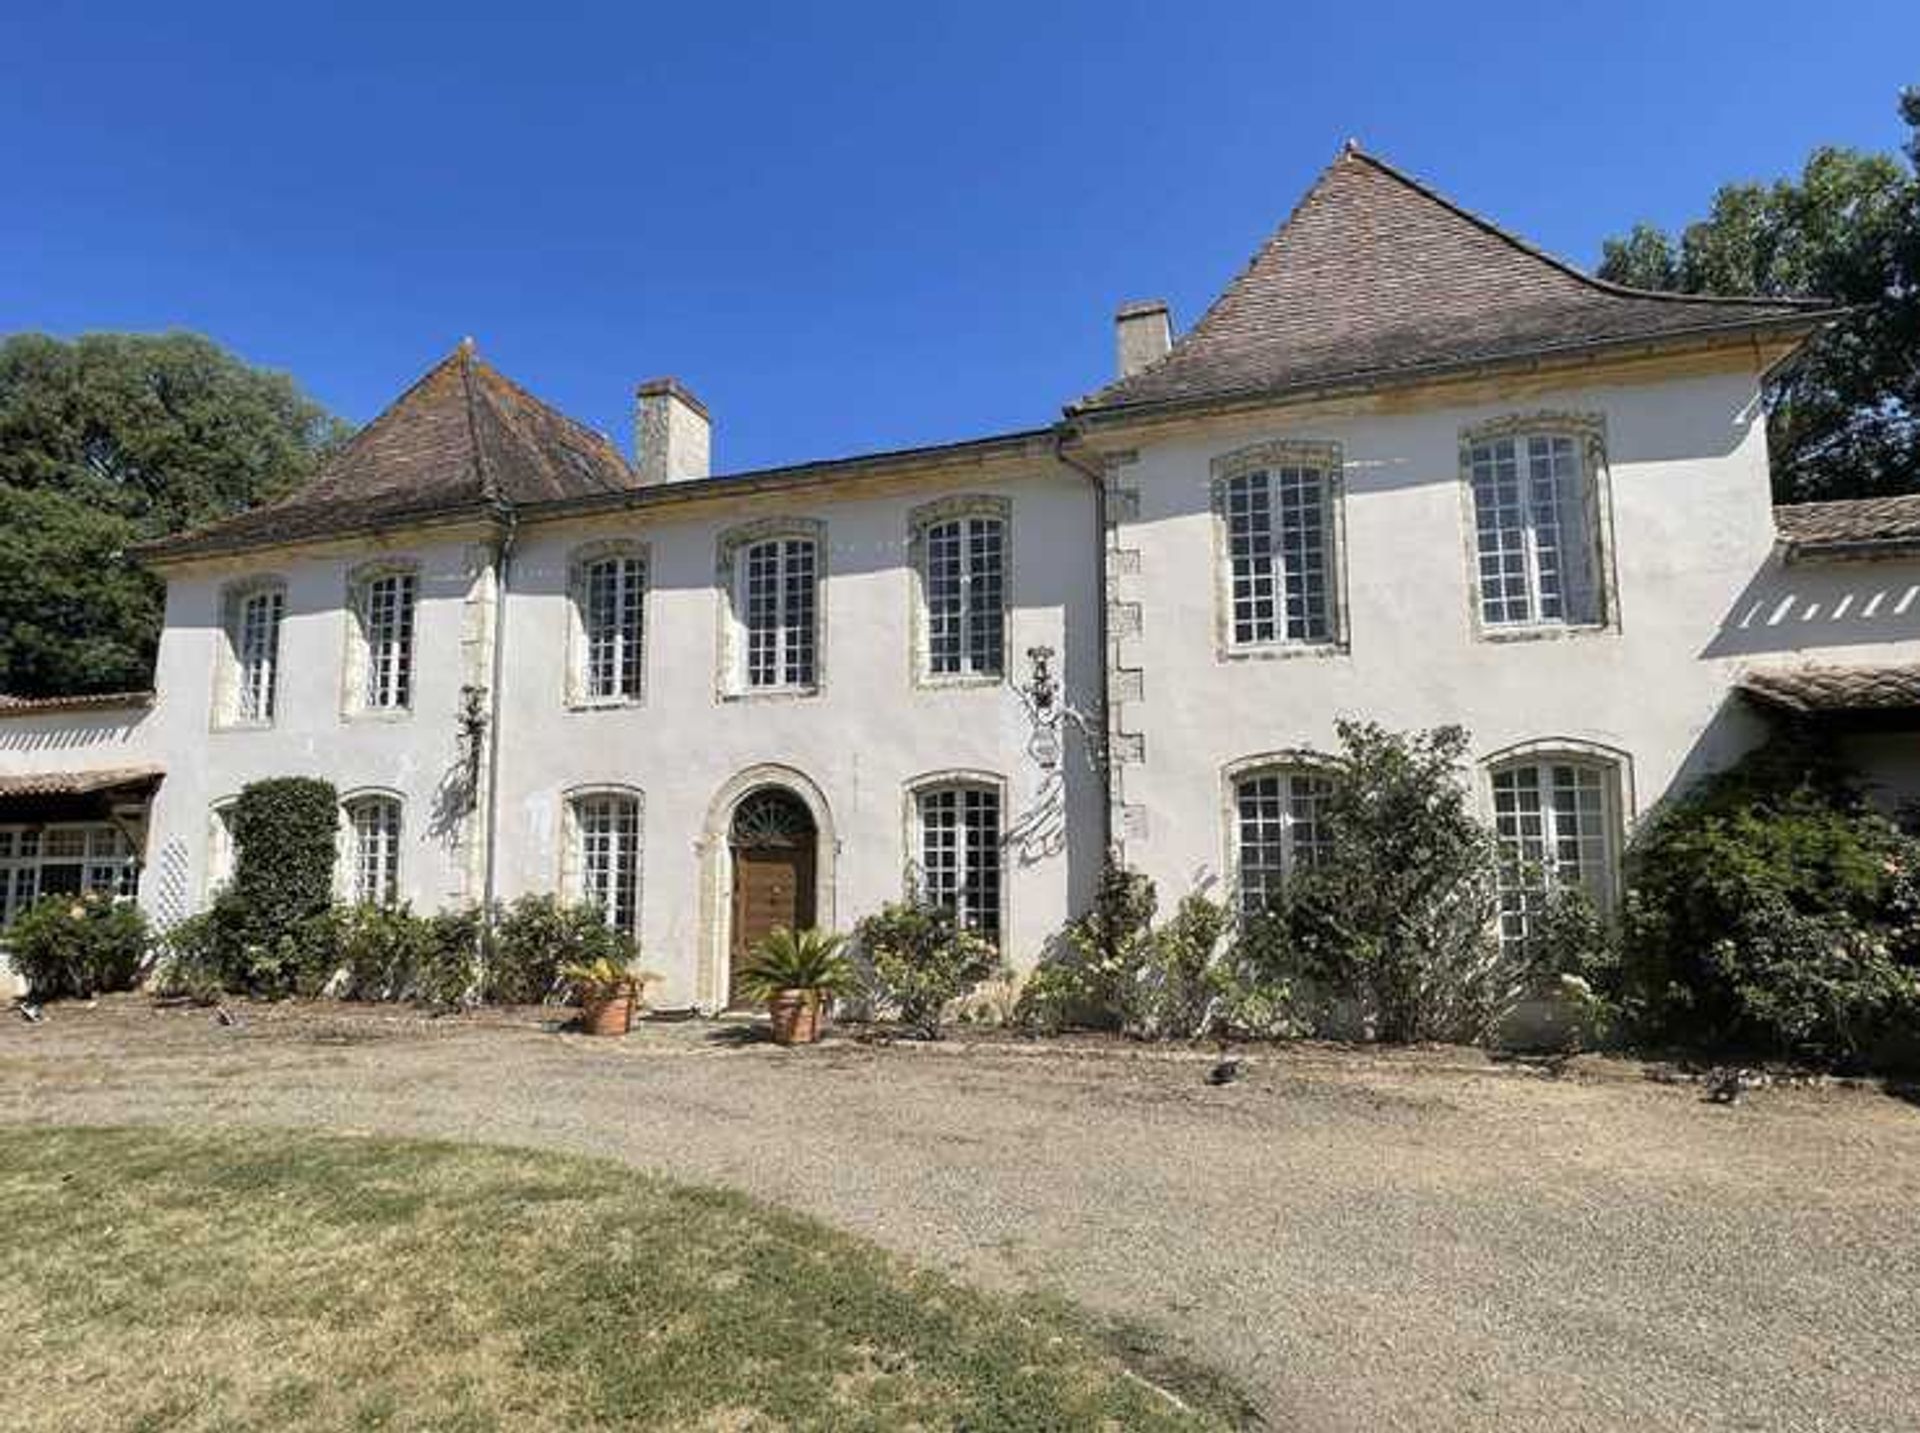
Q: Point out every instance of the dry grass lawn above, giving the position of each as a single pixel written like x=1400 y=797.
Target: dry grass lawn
x=151 y=1279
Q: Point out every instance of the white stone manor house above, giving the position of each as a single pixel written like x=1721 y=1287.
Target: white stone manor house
x=1406 y=468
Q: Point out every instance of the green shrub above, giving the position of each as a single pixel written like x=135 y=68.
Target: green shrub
x=389 y=953
x=1771 y=910
x=78 y=945
x=1398 y=917
x=914 y=959
x=536 y=938
x=189 y=963
x=1116 y=969
x=247 y=949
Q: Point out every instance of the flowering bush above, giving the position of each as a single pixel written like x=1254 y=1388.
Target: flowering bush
x=79 y=945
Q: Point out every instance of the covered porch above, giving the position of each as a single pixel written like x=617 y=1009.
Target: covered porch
x=1871 y=713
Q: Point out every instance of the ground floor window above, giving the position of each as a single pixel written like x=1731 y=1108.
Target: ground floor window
x=373 y=830
x=960 y=853
x=606 y=857
x=63 y=859
x=1555 y=820
x=1279 y=827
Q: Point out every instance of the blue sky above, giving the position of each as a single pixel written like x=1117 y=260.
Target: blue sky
x=846 y=227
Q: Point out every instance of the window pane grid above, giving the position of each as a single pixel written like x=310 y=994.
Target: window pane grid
x=608 y=830
x=1279 y=555
x=1280 y=828
x=37 y=861
x=375 y=824
x=387 y=620
x=1551 y=820
x=257 y=644
x=965 y=593
x=1531 y=529
x=779 y=607
x=615 y=626
x=960 y=854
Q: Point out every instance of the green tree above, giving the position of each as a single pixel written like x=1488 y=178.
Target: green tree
x=1844 y=420
x=109 y=440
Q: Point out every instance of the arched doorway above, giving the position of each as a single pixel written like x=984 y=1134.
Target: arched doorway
x=773 y=844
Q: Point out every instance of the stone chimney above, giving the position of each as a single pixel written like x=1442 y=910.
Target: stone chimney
x=672 y=435
x=1142 y=332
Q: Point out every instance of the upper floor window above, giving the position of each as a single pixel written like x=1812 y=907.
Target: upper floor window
x=253 y=618
x=1279 y=827
x=960 y=849
x=604 y=861
x=1278 y=506
x=373 y=850
x=961 y=554
x=610 y=593
x=1536 y=517
x=1555 y=816
x=773 y=573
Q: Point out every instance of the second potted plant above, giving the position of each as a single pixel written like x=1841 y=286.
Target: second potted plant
x=797 y=973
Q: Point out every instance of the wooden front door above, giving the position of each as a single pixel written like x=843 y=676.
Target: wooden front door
x=773 y=876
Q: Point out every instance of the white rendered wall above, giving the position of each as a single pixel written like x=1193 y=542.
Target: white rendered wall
x=854 y=747
x=1692 y=532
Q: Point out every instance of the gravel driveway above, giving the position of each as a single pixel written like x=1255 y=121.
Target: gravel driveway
x=1364 y=1243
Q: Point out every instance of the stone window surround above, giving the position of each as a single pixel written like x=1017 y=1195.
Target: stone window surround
x=911 y=791
x=579 y=559
x=730 y=675
x=360 y=577
x=1589 y=431
x=1291 y=760
x=224 y=714
x=569 y=856
x=919 y=520
x=1280 y=452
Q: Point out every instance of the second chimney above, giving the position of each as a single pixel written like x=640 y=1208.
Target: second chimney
x=672 y=435
x=1142 y=333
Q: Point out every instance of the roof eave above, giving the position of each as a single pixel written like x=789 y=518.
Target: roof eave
x=1799 y=326
x=1851 y=549
x=180 y=551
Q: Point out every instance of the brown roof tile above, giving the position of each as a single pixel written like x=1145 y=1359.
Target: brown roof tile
x=1811 y=689
x=78 y=783
x=463 y=439
x=1375 y=276
x=1850 y=525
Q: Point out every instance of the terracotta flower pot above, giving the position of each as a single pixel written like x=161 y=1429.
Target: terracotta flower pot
x=609 y=1015
x=795 y=1016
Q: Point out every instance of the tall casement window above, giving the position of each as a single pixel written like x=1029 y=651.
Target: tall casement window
x=1537 y=526
x=63 y=859
x=605 y=857
x=253 y=615
x=373 y=850
x=1278 y=507
x=1556 y=817
x=1279 y=828
x=960 y=549
x=610 y=594
x=772 y=573
x=960 y=851
x=384 y=600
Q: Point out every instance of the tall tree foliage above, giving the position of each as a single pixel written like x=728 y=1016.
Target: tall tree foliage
x=109 y=440
x=1843 y=421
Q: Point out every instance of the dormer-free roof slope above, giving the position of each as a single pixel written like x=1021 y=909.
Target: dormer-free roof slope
x=1376 y=276
x=463 y=439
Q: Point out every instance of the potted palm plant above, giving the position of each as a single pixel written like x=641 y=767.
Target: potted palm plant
x=607 y=992
x=796 y=972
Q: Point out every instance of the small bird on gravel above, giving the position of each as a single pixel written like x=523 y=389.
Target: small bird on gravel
x=1224 y=1073
x=224 y=1016
x=30 y=1012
